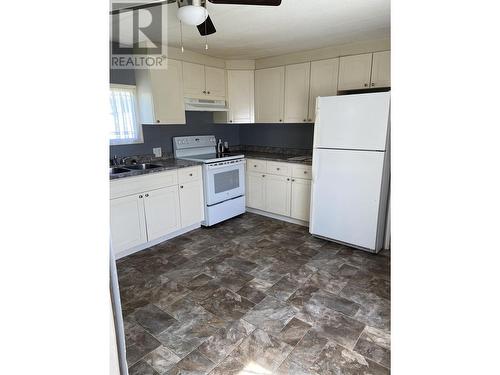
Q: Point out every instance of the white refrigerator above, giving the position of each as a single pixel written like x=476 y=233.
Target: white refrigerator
x=351 y=169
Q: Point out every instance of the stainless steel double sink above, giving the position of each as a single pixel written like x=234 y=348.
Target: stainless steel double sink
x=134 y=167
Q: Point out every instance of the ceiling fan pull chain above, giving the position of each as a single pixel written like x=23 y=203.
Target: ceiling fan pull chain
x=182 y=43
x=206 y=35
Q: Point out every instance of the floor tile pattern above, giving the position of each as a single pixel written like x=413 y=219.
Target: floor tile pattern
x=255 y=295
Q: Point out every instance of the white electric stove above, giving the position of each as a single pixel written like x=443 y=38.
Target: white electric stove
x=223 y=176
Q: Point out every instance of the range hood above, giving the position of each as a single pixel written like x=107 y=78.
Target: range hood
x=207 y=105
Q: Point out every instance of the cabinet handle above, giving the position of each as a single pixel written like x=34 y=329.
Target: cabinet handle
x=191 y=174
x=293 y=180
x=277 y=169
x=147 y=195
x=230 y=120
x=263 y=175
x=305 y=120
x=204 y=92
x=157 y=121
x=140 y=196
x=373 y=83
x=305 y=172
x=281 y=120
x=288 y=179
x=366 y=84
x=255 y=165
x=309 y=120
x=182 y=186
x=208 y=92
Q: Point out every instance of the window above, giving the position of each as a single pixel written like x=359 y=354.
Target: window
x=125 y=127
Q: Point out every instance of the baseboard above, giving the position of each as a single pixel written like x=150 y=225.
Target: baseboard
x=169 y=236
x=278 y=217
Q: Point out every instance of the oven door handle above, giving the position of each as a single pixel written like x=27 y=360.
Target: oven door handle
x=226 y=166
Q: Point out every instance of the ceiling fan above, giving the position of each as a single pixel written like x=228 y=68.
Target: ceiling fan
x=194 y=12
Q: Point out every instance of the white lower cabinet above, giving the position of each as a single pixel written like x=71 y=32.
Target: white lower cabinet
x=191 y=202
x=256 y=191
x=128 y=223
x=146 y=208
x=162 y=211
x=301 y=199
x=278 y=191
x=278 y=194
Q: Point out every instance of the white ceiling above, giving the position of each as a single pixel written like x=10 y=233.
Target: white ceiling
x=250 y=32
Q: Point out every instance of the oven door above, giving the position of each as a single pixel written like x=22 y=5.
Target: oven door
x=224 y=180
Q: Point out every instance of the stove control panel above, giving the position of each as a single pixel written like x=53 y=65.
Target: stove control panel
x=194 y=142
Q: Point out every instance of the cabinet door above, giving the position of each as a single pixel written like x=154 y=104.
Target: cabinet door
x=191 y=203
x=269 y=94
x=297 y=92
x=354 y=72
x=240 y=87
x=381 y=69
x=324 y=77
x=168 y=94
x=194 y=80
x=162 y=211
x=128 y=226
x=278 y=194
x=256 y=191
x=215 y=79
x=301 y=199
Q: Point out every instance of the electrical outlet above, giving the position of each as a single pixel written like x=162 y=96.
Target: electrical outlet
x=157 y=152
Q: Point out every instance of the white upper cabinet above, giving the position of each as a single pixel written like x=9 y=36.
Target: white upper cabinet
x=324 y=77
x=204 y=82
x=355 y=72
x=269 y=94
x=194 y=80
x=215 y=83
x=240 y=90
x=381 y=69
x=297 y=92
x=160 y=94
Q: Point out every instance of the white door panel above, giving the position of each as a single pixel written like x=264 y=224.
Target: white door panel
x=346 y=195
x=128 y=226
x=191 y=203
x=357 y=122
x=301 y=197
x=162 y=211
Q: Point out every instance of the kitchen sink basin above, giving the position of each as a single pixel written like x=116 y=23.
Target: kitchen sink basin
x=118 y=170
x=143 y=167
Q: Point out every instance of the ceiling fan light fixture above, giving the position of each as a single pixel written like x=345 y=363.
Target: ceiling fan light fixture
x=192 y=14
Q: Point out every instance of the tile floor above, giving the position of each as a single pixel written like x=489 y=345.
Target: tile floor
x=255 y=295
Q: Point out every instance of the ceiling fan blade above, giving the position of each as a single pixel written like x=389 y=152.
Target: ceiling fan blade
x=248 y=2
x=208 y=29
x=141 y=6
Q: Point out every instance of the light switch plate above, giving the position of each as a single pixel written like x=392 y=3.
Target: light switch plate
x=157 y=152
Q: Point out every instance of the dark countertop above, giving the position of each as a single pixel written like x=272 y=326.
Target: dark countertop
x=167 y=165
x=272 y=156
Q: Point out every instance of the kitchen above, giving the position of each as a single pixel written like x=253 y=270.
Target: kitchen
x=226 y=204
x=348 y=225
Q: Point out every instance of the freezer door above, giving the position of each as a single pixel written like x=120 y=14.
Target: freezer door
x=358 y=122
x=346 y=189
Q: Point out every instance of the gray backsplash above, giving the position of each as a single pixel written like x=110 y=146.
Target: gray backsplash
x=296 y=136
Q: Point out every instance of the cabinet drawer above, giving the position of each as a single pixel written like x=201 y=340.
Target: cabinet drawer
x=189 y=174
x=302 y=171
x=254 y=165
x=133 y=185
x=281 y=169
